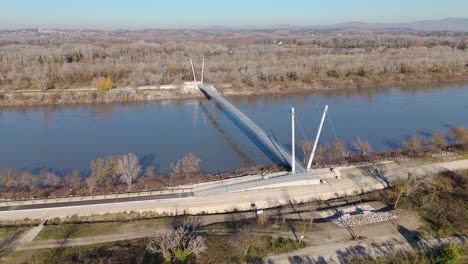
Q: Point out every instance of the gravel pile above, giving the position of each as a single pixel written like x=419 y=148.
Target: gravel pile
x=443 y=154
x=365 y=218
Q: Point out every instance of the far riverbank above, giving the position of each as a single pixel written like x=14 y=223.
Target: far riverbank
x=89 y=95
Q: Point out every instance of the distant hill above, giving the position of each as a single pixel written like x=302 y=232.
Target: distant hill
x=448 y=24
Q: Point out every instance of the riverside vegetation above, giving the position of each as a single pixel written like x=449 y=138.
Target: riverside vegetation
x=256 y=64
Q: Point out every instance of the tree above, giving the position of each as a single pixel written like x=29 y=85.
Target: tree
x=460 y=134
x=399 y=188
x=439 y=183
x=91 y=183
x=73 y=179
x=49 y=178
x=447 y=254
x=7 y=178
x=306 y=149
x=244 y=241
x=128 y=168
x=104 y=83
x=99 y=169
x=438 y=139
x=177 y=245
x=190 y=164
x=362 y=147
x=339 y=149
x=176 y=167
x=108 y=83
x=413 y=143
x=112 y=162
x=40 y=78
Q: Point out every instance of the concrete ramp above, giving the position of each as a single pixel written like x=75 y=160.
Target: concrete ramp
x=289 y=180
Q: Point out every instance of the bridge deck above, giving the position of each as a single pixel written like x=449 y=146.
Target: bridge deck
x=280 y=153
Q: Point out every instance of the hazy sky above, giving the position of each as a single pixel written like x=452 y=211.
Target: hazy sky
x=136 y=14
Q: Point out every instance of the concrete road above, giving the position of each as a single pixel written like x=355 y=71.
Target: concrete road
x=94 y=202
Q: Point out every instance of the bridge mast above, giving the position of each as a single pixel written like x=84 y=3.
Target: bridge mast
x=202 y=70
x=193 y=71
x=293 y=151
x=325 y=110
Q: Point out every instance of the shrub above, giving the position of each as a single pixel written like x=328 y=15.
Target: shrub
x=104 y=83
x=332 y=73
x=281 y=245
x=447 y=254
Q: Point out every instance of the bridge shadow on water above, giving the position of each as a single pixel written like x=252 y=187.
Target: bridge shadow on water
x=254 y=138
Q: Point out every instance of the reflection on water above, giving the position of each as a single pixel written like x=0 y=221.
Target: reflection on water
x=66 y=137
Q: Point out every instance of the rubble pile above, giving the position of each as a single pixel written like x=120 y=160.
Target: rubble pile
x=357 y=215
x=363 y=219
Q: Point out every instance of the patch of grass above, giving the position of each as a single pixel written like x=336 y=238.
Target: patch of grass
x=117 y=252
x=283 y=245
x=22 y=256
x=9 y=231
x=220 y=250
x=99 y=229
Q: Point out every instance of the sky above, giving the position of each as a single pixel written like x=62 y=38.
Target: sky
x=141 y=14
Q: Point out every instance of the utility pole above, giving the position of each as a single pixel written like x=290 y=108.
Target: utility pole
x=293 y=151
x=309 y=164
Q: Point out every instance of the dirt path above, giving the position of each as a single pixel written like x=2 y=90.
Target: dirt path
x=346 y=251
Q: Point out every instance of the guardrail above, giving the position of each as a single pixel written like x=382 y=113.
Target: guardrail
x=92 y=197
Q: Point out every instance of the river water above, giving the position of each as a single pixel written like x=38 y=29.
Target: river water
x=69 y=137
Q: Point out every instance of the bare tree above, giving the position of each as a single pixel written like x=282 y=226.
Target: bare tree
x=460 y=134
x=41 y=78
x=177 y=244
x=362 y=147
x=176 y=167
x=49 y=178
x=413 y=143
x=91 y=183
x=99 y=170
x=339 y=150
x=438 y=139
x=190 y=164
x=439 y=183
x=128 y=168
x=73 y=179
x=306 y=149
x=244 y=241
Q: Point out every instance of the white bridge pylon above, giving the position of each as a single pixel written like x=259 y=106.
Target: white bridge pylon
x=273 y=147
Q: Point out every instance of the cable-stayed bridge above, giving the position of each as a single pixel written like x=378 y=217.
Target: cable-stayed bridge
x=273 y=150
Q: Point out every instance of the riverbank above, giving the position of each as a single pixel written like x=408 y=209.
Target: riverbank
x=89 y=95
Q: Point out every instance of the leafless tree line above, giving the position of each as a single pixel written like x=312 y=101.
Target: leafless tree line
x=30 y=64
x=107 y=175
x=360 y=150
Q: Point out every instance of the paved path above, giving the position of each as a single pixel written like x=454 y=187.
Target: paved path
x=93 y=202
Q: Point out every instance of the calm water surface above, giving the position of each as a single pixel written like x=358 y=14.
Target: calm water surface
x=69 y=137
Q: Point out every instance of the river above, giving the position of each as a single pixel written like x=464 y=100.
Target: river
x=69 y=137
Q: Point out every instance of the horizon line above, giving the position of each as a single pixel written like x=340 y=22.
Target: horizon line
x=233 y=27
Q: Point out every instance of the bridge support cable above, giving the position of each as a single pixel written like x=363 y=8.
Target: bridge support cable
x=267 y=141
